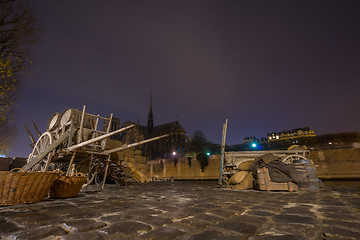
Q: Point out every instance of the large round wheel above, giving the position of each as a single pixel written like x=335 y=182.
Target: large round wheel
x=41 y=145
x=290 y=159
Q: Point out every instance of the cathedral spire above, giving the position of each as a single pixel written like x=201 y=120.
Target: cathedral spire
x=150 y=124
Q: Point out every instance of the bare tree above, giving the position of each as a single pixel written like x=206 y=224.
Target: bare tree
x=18 y=33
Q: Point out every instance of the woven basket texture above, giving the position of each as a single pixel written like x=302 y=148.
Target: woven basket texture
x=67 y=186
x=24 y=187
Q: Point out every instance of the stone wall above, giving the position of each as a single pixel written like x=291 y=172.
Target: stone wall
x=183 y=169
x=337 y=163
x=129 y=158
x=330 y=164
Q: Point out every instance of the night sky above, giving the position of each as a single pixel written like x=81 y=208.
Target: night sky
x=265 y=65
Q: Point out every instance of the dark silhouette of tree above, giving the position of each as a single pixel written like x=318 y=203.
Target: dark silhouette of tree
x=198 y=145
x=198 y=142
x=18 y=34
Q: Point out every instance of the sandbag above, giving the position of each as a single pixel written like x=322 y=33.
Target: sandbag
x=237 y=177
x=244 y=166
x=246 y=183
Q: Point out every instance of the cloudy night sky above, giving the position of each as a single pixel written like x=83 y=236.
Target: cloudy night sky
x=265 y=65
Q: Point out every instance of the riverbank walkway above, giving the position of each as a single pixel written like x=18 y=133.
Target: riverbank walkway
x=187 y=210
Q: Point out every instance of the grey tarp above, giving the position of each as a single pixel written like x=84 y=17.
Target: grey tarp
x=279 y=171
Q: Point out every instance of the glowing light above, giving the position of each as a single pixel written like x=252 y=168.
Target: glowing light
x=208 y=154
x=253 y=145
x=173 y=153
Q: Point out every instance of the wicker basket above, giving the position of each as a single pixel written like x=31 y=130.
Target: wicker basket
x=24 y=187
x=67 y=186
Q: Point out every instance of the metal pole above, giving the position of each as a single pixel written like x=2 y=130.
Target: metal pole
x=222 y=153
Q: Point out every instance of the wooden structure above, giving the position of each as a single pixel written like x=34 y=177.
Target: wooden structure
x=263 y=182
x=74 y=140
x=233 y=159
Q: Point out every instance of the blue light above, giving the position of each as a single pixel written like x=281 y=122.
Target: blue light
x=253 y=145
x=208 y=154
x=2 y=156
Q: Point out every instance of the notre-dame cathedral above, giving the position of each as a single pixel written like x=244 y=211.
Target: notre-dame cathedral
x=163 y=148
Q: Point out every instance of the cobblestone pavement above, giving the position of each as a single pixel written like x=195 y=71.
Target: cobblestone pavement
x=187 y=210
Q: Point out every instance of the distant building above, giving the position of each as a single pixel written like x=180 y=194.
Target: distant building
x=250 y=139
x=293 y=134
x=162 y=148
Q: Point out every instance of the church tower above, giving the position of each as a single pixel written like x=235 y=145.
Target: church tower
x=150 y=124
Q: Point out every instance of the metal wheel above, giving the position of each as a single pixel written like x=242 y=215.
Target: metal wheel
x=290 y=159
x=44 y=141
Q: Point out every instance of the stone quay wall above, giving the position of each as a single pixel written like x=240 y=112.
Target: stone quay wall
x=337 y=163
x=183 y=169
x=330 y=164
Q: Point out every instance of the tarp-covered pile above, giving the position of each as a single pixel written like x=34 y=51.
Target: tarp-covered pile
x=279 y=172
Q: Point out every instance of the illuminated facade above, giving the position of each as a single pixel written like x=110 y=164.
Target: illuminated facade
x=291 y=134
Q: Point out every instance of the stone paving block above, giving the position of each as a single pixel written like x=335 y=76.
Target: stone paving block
x=258 y=213
x=163 y=233
x=214 y=235
x=7 y=227
x=183 y=227
x=301 y=211
x=156 y=221
x=236 y=208
x=224 y=213
x=333 y=231
x=264 y=207
x=113 y=218
x=208 y=206
x=34 y=218
x=142 y=212
x=207 y=218
x=83 y=225
x=126 y=227
x=200 y=225
x=277 y=237
x=344 y=217
x=39 y=233
x=305 y=231
x=176 y=215
x=354 y=226
x=294 y=219
x=83 y=236
x=243 y=224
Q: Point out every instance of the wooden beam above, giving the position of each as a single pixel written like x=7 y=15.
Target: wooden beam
x=31 y=136
x=134 y=144
x=222 y=158
x=98 y=138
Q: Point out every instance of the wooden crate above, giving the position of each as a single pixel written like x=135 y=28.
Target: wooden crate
x=263 y=182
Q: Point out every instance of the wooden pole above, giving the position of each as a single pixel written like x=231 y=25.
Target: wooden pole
x=70 y=164
x=31 y=136
x=106 y=171
x=222 y=153
x=98 y=138
x=37 y=130
x=49 y=158
x=134 y=144
x=82 y=123
x=103 y=144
